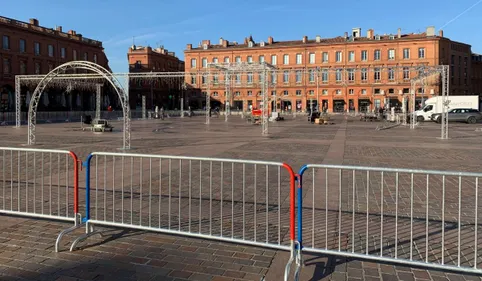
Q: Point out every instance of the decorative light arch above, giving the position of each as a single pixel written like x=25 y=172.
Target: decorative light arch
x=86 y=65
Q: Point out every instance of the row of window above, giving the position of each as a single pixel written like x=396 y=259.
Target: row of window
x=7 y=67
x=37 y=49
x=340 y=75
x=157 y=66
x=452 y=60
x=324 y=92
x=377 y=55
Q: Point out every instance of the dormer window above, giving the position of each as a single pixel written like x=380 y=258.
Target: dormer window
x=205 y=46
x=392 y=37
x=261 y=44
x=377 y=37
x=250 y=44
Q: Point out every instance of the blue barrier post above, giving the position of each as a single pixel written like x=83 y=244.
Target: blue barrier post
x=300 y=210
x=300 y=204
x=86 y=164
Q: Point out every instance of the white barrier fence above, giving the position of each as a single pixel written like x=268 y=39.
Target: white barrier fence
x=415 y=217
x=223 y=199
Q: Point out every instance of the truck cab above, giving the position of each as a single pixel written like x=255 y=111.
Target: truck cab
x=425 y=113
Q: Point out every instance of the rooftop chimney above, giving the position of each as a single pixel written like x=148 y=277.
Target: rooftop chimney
x=72 y=32
x=189 y=46
x=399 y=33
x=356 y=32
x=305 y=39
x=270 y=40
x=225 y=43
x=59 y=28
x=441 y=33
x=221 y=41
x=346 y=35
x=370 y=33
x=318 y=38
x=34 y=22
x=430 y=31
x=246 y=40
x=206 y=42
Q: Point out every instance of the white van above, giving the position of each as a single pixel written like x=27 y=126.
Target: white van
x=434 y=105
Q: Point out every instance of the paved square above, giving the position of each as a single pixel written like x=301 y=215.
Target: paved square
x=26 y=245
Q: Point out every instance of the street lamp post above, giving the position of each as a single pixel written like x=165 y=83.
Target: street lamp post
x=184 y=86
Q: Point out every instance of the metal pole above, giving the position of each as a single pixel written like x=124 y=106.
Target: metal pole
x=264 y=108
x=143 y=107
x=208 y=98
x=445 y=102
x=228 y=94
x=412 y=98
x=98 y=98
x=183 y=87
x=18 y=113
x=127 y=114
x=317 y=89
x=152 y=94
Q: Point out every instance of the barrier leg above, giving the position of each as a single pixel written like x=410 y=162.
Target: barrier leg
x=295 y=256
x=77 y=216
x=89 y=231
x=78 y=224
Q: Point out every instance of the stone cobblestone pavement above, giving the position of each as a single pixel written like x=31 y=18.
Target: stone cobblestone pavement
x=26 y=245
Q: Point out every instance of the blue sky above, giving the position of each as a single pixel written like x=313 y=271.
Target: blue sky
x=177 y=23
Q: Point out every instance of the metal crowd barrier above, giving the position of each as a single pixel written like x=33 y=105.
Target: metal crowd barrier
x=40 y=183
x=248 y=202
x=403 y=216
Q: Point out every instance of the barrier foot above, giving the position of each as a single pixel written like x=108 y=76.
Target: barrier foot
x=299 y=264
x=77 y=225
x=295 y=257
x=89 y=232
x=64 y=232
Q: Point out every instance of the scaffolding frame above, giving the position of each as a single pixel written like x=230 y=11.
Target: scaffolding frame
x=231 y=69
x=59 y=78
x=69 y=81
x=345 y=77
x=52 y=78
x=98 y=98
x=443 y=72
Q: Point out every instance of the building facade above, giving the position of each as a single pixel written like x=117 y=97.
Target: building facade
x=350 y=72
x=162 y=92
x=477 y=74
x=28 y=48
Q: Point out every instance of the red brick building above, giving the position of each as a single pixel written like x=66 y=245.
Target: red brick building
x=372 y=66
x=477 y=74
x=28 y=48
x=163 y=92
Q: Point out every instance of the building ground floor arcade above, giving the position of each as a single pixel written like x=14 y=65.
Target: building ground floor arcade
x=329 y=99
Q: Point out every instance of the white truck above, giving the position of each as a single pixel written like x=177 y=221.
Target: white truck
x=434 y=105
